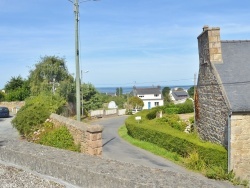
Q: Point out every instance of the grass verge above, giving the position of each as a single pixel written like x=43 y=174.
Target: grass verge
x=192 y=162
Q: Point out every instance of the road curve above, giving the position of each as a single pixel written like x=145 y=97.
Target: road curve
x=116 y=148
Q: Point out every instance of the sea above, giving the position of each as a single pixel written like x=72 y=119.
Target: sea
x=126 y=90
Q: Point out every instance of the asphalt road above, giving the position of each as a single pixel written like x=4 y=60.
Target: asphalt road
x=117 y=149
x=6 y=129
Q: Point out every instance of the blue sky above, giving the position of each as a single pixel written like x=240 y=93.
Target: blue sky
x=122 y=43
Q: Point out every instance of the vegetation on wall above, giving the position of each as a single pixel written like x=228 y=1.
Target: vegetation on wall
x=36 y=110
x=58 y=137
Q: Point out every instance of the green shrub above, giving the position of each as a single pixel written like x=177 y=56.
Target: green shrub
x=29 y=118
x=173 y=121
x=59 y=138
x=176 y=141
x=186 y=107
x=182 y=108
x=194 y=162
x=35 y=111
x=152 y=114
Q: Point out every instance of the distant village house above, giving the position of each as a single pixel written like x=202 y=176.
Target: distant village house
x=178 y=96
x=151 y=97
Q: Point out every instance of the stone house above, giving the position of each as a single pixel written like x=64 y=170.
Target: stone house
x=222 y=99
x=151 y=97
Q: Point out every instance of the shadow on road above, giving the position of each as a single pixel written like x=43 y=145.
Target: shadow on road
x=108 y=141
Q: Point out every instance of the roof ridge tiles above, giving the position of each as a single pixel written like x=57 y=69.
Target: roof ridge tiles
x=234 y=41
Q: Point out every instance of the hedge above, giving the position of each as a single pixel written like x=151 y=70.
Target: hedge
x=176 y=141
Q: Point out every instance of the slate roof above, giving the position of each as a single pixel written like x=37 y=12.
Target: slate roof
x=146 y=91
x=179 y=95
x=235 y=74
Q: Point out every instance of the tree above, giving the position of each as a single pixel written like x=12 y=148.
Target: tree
x=50 y=71
x=135 y=102
x=2 y=96
x=90 y=97
x=119 y=91
x=191 y=92
x=165 y=93
x=17 y=89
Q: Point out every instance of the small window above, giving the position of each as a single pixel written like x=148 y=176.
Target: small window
x=141 y=96
x=156 y=95
x=156 y=103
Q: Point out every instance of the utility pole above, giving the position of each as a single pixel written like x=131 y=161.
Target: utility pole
x=78 y=97
x=78 y=101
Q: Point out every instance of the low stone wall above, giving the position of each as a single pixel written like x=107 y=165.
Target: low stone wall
x=90 y=171
x=13 y=106
x=88 y=136
x=240 y=146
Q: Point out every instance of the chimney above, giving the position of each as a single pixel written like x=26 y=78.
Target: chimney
x=210 y=45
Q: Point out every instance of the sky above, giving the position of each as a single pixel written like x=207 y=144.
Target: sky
x=122 y=43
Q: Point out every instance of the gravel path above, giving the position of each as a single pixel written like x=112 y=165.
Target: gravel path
x=11 y=177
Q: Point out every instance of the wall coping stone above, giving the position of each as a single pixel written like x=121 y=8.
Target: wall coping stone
x=80 y=125
x=90 y=171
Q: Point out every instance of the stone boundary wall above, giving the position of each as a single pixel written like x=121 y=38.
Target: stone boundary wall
x=240 y=145
x=83 y=170
x=88 y=136
x=13 y=106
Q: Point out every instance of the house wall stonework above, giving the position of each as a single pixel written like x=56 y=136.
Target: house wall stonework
x=210 y=106
x=240 y=145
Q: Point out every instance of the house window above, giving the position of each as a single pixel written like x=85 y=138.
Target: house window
x=156 y=103
x=141 y=96
x=156 y=95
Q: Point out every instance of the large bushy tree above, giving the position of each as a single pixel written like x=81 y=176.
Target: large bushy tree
x=90 y=97
x=17 y=89
x=49 y=72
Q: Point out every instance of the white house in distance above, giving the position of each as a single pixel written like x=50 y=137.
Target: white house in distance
x=151 y=97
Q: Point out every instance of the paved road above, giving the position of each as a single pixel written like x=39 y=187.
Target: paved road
x=6 y=129
x=116 y=148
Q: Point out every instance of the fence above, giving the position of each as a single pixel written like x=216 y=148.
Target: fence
x=102 y=113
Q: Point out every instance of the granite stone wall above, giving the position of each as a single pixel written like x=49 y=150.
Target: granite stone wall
x=13 y=106
x=210 y=104
x=240 y=145
x=88 y=136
